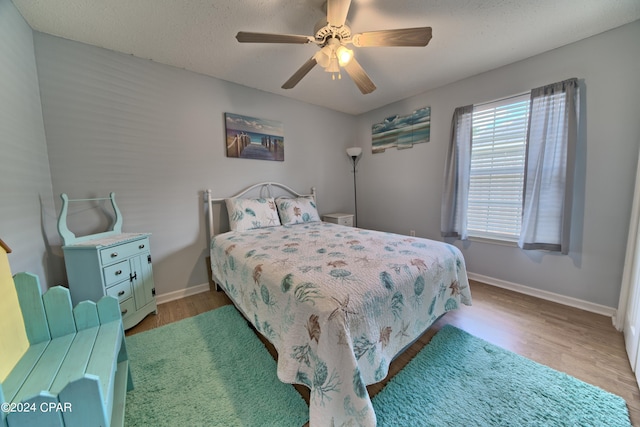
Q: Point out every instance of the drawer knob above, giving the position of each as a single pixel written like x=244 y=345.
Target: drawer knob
x=119 y=272
x=124 y=312
x=114 y=254
x=141 y=247
x=120 y=293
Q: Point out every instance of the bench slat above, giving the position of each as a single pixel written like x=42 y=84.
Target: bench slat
x=86 y=399
x=39 y=417
x=75 y=364
x=22 y=369
x=57 y=305
x=85 y=315
x=109 y=309
x=43 y=374
x=35 y=320
x=103 y=362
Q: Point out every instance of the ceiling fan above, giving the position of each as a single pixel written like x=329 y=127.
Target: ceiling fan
x=333 y=36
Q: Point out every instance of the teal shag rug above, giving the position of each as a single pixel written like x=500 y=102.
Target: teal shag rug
x=208 y=370
x=461 y=380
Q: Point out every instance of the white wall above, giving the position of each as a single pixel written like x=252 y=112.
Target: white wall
x=26 y=204
x=400 y=190
x=154 y=135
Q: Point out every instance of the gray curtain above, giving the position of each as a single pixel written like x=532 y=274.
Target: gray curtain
x=549 y=169
x=453 y=222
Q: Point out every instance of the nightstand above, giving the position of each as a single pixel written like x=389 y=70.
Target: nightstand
x=339 y=218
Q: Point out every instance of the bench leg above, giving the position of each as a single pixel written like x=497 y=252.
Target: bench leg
x=123 y=356
x=123 y=376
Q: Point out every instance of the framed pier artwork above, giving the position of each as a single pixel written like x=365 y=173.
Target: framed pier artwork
x=252 y=138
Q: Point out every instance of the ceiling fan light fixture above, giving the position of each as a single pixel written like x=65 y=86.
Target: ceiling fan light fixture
x=344 y=55
x=323 y=56
x=334 y=66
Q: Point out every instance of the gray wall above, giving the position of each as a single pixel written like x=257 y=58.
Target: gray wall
x=26 y=203
x=400 y=190
x=154 y=135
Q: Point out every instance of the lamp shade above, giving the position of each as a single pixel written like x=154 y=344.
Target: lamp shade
x=354 y=151
x=323 y=56
x=344 y=55
x=334 y=66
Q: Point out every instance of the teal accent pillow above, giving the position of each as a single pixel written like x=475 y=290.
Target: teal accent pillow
x=247 y=214
x=297 y=211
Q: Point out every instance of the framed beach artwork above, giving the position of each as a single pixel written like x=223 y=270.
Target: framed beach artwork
x=401 y=131
x=252 y=138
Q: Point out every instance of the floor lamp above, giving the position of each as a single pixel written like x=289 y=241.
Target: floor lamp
x=354 y=153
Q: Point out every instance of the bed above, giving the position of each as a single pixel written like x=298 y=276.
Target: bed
x=338 y=303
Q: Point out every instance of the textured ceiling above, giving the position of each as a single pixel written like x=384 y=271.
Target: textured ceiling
x=469 y=37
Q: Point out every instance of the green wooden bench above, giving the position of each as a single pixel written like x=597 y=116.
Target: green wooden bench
x=75 y=371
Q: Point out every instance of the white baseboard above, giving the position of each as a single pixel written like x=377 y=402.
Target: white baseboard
x=546 y=295
x=191 y=290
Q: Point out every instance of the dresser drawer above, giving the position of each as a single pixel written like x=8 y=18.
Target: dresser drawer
x=346 y=220
x=116 y=253
x=121 y=291
x=116 y=273
x=127 y=308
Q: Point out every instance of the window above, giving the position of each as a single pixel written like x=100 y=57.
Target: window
x=510 y=168
x=496 y=179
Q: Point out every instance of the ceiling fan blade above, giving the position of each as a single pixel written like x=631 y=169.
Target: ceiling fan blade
x=298 y=75
x=403 y=37
x=359 y=76
x=337 y=12
x=246 y=37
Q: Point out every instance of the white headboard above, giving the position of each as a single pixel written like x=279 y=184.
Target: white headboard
x=216 y=209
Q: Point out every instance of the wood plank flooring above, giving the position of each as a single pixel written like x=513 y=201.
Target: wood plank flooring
x=582 y=344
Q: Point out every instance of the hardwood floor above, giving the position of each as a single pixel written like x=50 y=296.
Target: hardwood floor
x=582 y=344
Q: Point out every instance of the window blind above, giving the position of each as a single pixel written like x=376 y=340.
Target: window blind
x=498 y=150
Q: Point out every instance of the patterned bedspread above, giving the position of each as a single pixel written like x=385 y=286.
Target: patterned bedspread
x=338 y=303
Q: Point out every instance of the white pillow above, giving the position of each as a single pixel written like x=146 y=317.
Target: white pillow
x=297 y=211
x=247 y=214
